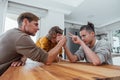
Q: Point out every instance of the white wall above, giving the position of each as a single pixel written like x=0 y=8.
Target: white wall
x=53 y=18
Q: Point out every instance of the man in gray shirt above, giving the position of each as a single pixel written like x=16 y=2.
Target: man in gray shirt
x=92 y=50
x=17 y=43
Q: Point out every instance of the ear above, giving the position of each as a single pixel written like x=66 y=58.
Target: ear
x=93 y=34
x=25 y=22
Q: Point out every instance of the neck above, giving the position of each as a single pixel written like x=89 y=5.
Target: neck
x=93 y=43
x=21 y=28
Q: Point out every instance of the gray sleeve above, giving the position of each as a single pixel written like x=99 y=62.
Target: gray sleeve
x=26 y=47
x=103 y=50
x=80 y=54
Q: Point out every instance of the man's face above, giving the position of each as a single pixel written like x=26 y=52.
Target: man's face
x=86 y=36
x=31 y=28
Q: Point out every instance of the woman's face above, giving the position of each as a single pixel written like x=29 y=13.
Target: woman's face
x=56 y=38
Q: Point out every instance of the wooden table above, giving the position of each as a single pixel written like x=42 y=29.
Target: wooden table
x=62 y=71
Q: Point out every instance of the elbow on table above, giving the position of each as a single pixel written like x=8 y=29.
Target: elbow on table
x=72 y=60
x=96 y=63
x=48 y=63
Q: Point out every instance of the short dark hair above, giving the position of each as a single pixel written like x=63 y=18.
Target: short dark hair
x=28 y=15
x=54 y=30
x=89 y=27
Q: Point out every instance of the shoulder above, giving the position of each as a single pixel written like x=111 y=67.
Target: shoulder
x=20 y=35
x=44 y=39
x=103 y=43
x=16 y=33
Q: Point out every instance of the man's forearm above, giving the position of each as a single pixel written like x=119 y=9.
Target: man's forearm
x=90 y=54
x=52 y=54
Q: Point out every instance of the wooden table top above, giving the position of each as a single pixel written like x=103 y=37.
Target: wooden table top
x=62 y=71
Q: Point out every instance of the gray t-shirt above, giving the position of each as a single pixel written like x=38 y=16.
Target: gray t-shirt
x=14 y=44
x=101 y=48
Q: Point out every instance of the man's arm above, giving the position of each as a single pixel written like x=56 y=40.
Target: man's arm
x=71 y=57
x=90 y=54
x=52 y=54
x=25 y=46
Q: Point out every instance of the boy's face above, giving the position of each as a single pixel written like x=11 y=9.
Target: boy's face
x=87 y=36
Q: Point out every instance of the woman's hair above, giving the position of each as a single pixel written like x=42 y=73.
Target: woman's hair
x=53 y=31
x=89 y=27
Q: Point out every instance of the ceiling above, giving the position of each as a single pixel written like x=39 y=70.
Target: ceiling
x=99 y=12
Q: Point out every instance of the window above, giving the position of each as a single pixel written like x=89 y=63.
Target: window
x=11 y=22
x=116 y=41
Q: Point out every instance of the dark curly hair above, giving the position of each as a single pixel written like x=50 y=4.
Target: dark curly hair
x=54 y=30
